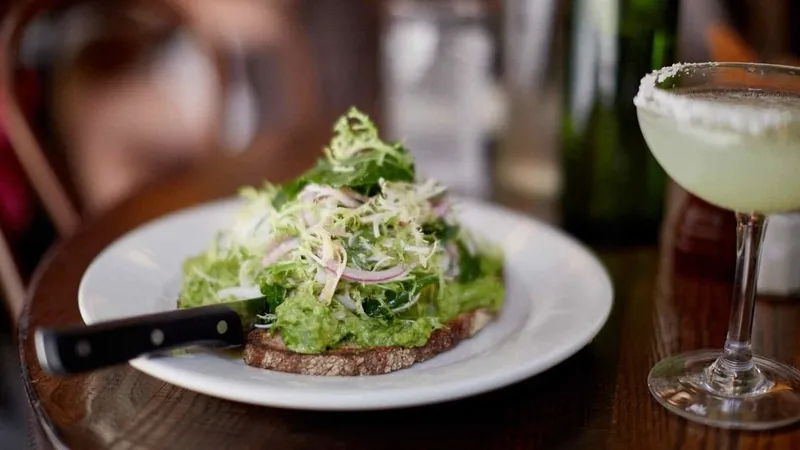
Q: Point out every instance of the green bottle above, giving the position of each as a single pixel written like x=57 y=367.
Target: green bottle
x=613 y=189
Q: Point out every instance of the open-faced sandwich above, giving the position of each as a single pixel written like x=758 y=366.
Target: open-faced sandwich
x=362 y=263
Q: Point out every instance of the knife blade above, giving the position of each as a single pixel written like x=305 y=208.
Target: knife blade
x=76 y=349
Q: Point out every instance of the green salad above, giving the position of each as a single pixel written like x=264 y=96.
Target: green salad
x=360 y=250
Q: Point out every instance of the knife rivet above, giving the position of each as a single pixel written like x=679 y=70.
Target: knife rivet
x=83 y=349
x=157 y=337
x=222 y=327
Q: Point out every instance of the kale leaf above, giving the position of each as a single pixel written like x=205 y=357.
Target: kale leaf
x=440 y=230
x=288 y=192
x=274 y=295
x=469 y=265
x=397 y=294
x=356 y=158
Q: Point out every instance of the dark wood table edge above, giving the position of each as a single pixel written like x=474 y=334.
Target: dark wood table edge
x=24 y=333
x=288 y=138
x=34 y=401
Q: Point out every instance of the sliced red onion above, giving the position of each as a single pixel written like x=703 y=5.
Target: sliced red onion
x=326 y=191
x=344 y=199
x=309 y=219
x=353 y=194
x=279 y=251
x=314 y=192
x=368 y=277
x=307 y=198
x=452 y=250
x=441 y=208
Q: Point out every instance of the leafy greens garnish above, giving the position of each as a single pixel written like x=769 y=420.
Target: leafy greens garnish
x=357 y=158
x=356 y=251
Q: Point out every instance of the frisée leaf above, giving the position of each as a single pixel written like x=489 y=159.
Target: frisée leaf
x=357 y=251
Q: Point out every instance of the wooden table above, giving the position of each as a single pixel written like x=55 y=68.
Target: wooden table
x=666 y=302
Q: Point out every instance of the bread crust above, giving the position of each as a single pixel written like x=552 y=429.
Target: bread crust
x=269 y=352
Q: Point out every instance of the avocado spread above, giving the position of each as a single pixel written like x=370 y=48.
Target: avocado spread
x=360 y=250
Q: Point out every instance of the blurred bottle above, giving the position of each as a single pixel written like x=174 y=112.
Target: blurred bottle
x=442 y=91
x=525 y=164
x=613 y=189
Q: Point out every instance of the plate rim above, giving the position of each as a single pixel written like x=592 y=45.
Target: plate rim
x=387 y=400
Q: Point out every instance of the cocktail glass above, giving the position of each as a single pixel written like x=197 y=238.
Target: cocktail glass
x=729 y=133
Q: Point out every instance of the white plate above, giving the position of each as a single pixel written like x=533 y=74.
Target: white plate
x=558 y=298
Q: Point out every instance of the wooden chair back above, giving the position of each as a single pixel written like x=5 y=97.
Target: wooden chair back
x=51 y=189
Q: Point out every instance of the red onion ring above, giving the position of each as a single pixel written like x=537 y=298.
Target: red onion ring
x=368 y=277
x=279 y=251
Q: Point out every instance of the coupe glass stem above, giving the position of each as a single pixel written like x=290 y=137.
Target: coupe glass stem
x=734 y=372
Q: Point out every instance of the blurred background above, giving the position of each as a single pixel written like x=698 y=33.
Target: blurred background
x=527 y=103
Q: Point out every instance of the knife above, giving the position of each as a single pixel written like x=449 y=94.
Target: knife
x=76 y=349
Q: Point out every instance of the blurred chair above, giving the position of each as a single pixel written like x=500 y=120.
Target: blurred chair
x=145 y=55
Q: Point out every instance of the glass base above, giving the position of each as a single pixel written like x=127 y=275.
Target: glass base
x=679 y=383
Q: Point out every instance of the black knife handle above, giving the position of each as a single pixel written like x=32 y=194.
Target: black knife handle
x=72 y=350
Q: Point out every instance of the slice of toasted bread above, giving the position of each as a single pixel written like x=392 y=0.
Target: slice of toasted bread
x=269 y=352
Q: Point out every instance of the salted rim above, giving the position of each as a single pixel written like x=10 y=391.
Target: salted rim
x=683 y=109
